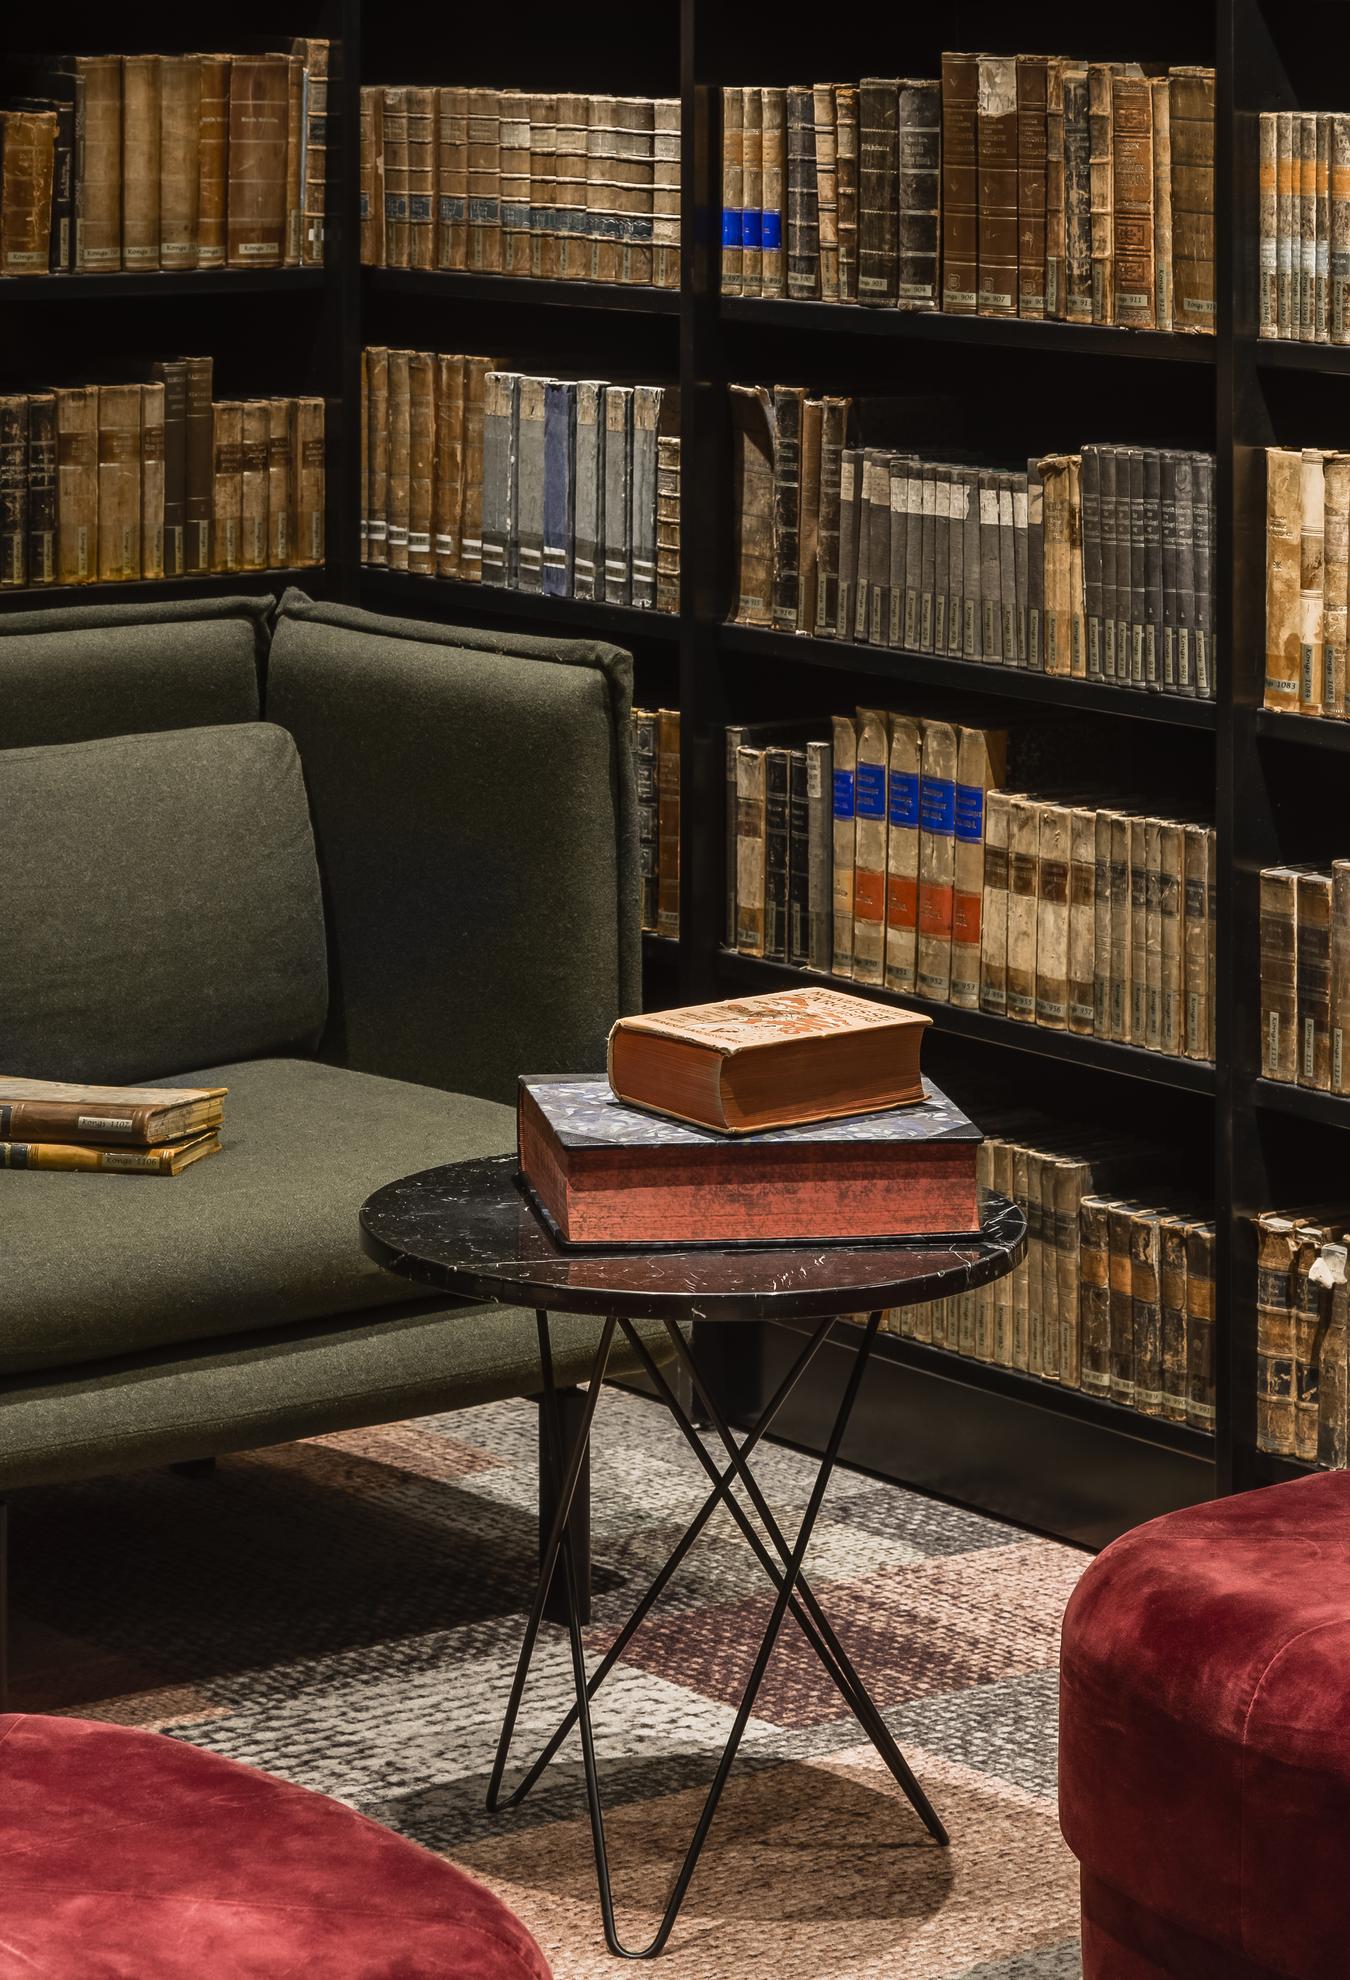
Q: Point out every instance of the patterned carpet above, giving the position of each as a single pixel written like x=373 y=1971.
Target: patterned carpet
x=345 y=1612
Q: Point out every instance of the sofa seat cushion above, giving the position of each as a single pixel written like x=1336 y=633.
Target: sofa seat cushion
x=262 y=1235
x=1205 y=1725
x=130 y=1856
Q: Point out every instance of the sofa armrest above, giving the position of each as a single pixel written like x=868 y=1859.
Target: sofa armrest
x=475 y=815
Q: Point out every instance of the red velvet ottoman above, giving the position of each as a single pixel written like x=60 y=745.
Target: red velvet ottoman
x=1204 y=1778
x=128 y=1856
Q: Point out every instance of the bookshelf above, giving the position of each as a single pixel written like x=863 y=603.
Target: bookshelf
x=1056 y=1460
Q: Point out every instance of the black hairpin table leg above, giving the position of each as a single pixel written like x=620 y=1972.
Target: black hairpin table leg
x=792 y=1593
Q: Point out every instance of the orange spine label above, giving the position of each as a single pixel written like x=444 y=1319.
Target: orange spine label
x=902 y=901
x=935 y=911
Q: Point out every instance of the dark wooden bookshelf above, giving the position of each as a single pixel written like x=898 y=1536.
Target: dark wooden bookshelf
x=208 y=584
x=1050 y=1458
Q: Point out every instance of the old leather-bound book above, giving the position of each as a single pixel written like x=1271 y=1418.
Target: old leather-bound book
x=605 y=1173
x=635 y=177
x=752 y=418
x=667 y=522
x=980 y=758
x=1284 y=511
x=846 y=188
x=572 y=251
x=1031 y=160
x=308 y=479
x=602 y=219
x=180 y=98
x=295 y=160
x=666 y=192
x=1132 y=212
x=1056 y=240
x=485 y=238
x=13 y=490
x=98 y=163
x=256 y=200
x=254 y=435
x=996 y=145
x=227 y=426
x=1192 y=127
x=878 y=167
x=937 y=859
x=529 y=554
x=668 y=821
x=280 y=549
x=1313 y=907
x=76 y=484
x=870 y=847
x=788 y=405
x=396 y=177
x=1052 y=918
x=1160 y=104
x=762 y=1062
x=618 y=454
x=560 y=405
x=827 y=189
x=400 y=446
x=803 y=225
x=918 y=193
x=421 y=177
x=371 y=205
x=544 y=186
x=41 y=488
x=960 y=184
x=1279 y=996
x=313 y=52
x=213 y=178
x=750 y=849
x=421 y=461
x=515 y=181
x=1077 y=195
x=119 y=482
x=452 y=178
x=199 y=459
x=1101 y=190
x=28 y=141
x=448 y=474
x=134 y=1116
x=377 y=466
x=152 y=480
x=733 y=187
x=471 y=522
x=752 y=192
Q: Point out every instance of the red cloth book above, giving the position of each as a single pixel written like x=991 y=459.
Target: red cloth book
x=609 y=1174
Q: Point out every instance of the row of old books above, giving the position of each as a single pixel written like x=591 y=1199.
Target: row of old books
x=173 y=162
x=1115 y=1295
x=1303 y=1336
x=108 y=483
x=566 y=487
x=1027 y=185
x=656 y=759
x=890 y=854
x=1095 y=565
x=510 y=182
x=1307 y=580
x=1305 y=226
x=1305 y=975
x=112 y=1130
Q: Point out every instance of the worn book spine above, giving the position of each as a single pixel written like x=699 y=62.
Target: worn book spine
x=254 y=431
x=644 y=772
x=668 y=821
x=1333 y=1399
x=1279 y=997
x=307 y=480
x=420 y=178
x=959 y=501
x=1312 y=497
x=1090 y=482
x=666 y=195
x=634 y=178
x=1077 y=196
x=1312 y=914
x=1056 y=271
x=994 y=907
x=752 y=422
x=13 y=490
x=918 y=193
x=98 y=163
x=1306 y=1303
x=1286 y=224
x=1052 y=918
x=1153 y=933
x=1121 y=989
x=1335 y=579
x=618 y=494
x=827 y=188
x=1120 y=1228
x=1277 y=1245
x=1200 y=1325
x=377 y=473
x=1195 y=942
x=226 y=484
x=1024 y=821
x=589 y=497
x=799 y=860
x=772 y=192
x=1146 y=1311
x=1171 y=881
x=1079 y=1014
x=255 y=213
x=514 y=169
x=1153 y=568
x=152 y=481
x=820 y=856
x=979 y=759
x=1139 y=930
x=471 y=501
x=212 y=154
x=777 y=835
x=1338 y=221
x=1322 y=252
x=803 y=228
x=1160 y=106
x=1031 y=159
x=559 y=494
x=1192 y=124
x=421 y=462
x=1268 y=306
x=1133 y=202
x=485 y=228
x=1035 y=569
x=119 y=482
x=850 y=507
x=833 y=420
x=199 y=465
x=1094 y=1295
x=1053 y=472
x=960 y=184
x=1007 y=569
x=750 y=848
x=180 y=79
x=41 y=474
x=877 y=498
x=1284 y=614
x=1306 y=140
x=733 y=187
x=878 y=189
x=808 y=543
x=294 y=210
x=544 y=188
x=902 y=855
x=501 y=402
x=528 y=551
x=1167 y=511
x=870 y=847
x=647 y=403
x=280 y=486
x=569 y=190
x=314 y=52
x=28 y=140
x=371 y=194
x=735 y=740
x=1101 y=925
x=1340 y=976
x=788 y=404
x=1172 y=1290
x=397 y=494
x=846 y=188
x=449 y=464
x=844 y=771
x=991 y=627
x=1101 y=191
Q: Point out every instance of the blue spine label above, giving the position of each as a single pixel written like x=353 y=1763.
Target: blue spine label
x=904 y=797
x=843 y=794
x=870 y=791
x=731 y=226
x=771 y=230
x=751 y=227
x=969 y=813
x=938 y=805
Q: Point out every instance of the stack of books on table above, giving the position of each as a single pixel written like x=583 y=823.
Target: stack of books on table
x=799 y=1116
x=127 y=1130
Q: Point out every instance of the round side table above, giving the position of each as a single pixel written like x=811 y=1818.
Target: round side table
x=471 y=1229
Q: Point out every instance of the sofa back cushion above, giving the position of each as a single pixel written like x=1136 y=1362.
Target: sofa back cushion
x=160 y=901
x=70 y=673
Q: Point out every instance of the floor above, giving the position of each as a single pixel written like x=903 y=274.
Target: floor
x=345 y=1612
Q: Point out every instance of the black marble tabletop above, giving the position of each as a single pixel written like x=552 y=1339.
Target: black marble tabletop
x=471 y=1229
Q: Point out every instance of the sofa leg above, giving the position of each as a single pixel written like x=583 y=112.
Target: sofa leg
x=195 y=1467
x=571 y=1403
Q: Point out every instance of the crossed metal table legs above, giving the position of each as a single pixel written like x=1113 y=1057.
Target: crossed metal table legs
x=782 y=1563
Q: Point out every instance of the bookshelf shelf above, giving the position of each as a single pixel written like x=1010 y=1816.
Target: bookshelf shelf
x=1269 y=1468
x=446 y=286
x=1311 y=731
x=749 y=973
x=1332 y=359
x=968 y=676
x=989 y=332
x=211 y=584
x=1304 y=1103
x=156 y=287
x=566 y=617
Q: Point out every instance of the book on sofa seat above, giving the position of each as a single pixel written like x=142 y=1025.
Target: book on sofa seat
x=170 y=1159
x=53 y=1110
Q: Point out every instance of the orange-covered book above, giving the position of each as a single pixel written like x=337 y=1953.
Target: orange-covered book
x=760 y=1062
x=611 y=1175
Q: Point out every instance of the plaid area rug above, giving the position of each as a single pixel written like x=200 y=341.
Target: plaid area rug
x=345 y=1612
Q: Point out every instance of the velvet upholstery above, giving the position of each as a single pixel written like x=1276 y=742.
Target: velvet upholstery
x=1205 y=1728
x=163 y=898
x=130 y=1856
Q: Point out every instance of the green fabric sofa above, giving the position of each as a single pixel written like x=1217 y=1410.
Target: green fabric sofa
x=363 y=872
